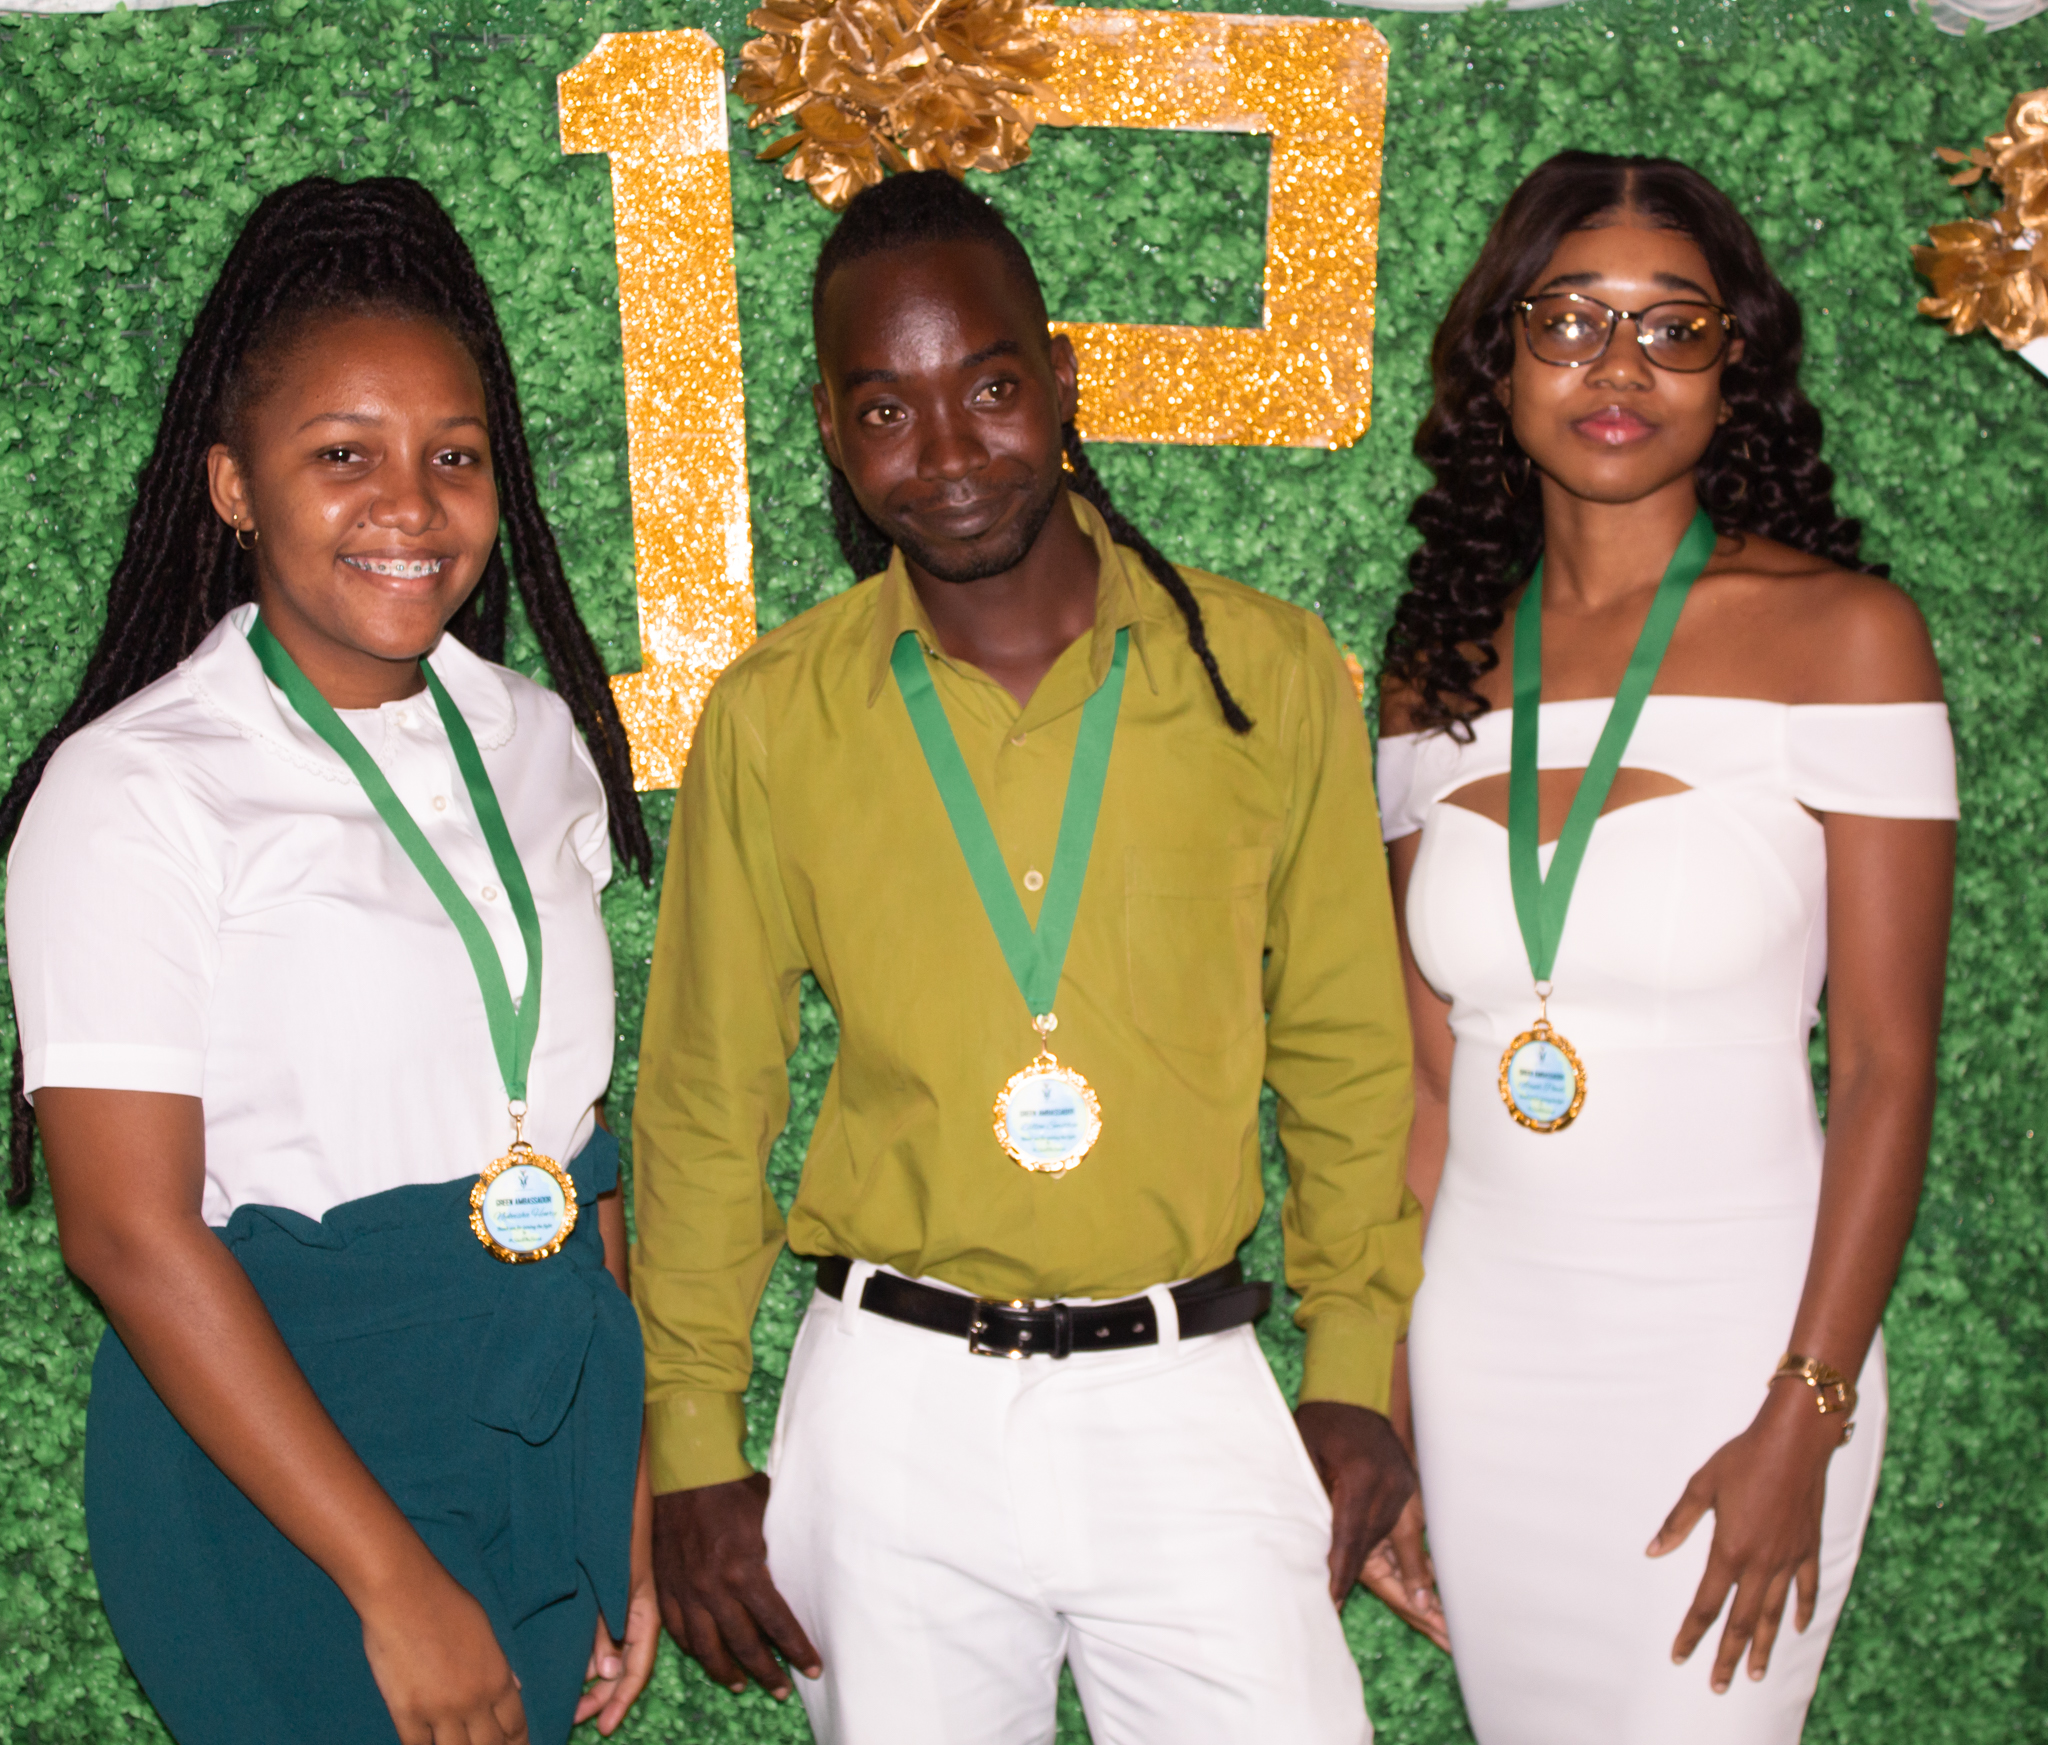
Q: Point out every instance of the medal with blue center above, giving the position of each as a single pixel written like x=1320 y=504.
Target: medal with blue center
x=1542 y=1080
x=1047 y=1117
x=523 y=1206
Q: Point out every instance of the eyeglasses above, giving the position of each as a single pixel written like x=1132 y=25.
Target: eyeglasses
x=1573 y=331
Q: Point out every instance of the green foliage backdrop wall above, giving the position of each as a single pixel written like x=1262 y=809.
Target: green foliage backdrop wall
x=130 y=147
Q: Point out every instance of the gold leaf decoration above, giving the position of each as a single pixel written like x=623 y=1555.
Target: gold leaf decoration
x=1993 y=272
x=911 y=84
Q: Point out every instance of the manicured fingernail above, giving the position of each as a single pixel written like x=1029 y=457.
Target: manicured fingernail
x=1756 y=1672
x=1720 y=1687
x=780 y=1693
x=739 y=1689
x=609 y=1666
x=812 y=1671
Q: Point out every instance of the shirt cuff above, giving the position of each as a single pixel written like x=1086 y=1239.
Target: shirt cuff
x=114 y=1066
x=1349 y=1359
x=694 y=1440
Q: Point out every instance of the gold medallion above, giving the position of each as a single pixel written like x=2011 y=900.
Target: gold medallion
x=1047 y=1117
x=1541 y=1080
x=523 y=1206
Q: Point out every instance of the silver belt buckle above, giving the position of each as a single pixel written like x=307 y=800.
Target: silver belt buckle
x=979 y=1325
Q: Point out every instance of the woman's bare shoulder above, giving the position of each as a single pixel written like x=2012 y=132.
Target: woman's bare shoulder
x=1834 y=635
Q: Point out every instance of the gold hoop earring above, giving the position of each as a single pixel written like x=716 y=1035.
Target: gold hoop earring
x=248 y=544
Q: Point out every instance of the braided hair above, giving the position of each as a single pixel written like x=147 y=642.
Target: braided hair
x=1482 y=520
x=930 y=206
x=312 y=251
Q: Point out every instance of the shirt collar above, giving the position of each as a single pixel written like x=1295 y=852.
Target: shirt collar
x=1126 y=596
x=230 y=683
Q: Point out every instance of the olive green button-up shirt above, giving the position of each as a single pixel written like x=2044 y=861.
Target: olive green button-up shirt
x=1234 y=927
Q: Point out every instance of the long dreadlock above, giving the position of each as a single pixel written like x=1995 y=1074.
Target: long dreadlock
x=929 y=206
x=316 y=249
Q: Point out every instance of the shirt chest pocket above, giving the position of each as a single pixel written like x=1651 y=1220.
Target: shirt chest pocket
x=1196 y=934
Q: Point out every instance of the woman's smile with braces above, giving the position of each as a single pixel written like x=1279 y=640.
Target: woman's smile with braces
x=397 y=566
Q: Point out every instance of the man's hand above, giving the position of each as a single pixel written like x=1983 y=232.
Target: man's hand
x=1369 y=1477
x=711 y=1571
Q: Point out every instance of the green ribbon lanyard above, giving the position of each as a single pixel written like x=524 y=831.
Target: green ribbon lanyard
x=1035 y=956
x=513 y=1028
x=1540 y=902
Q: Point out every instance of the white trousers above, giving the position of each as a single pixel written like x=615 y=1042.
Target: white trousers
x=948 y=1528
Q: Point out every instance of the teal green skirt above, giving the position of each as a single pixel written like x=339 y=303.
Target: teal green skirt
x=498 y=1405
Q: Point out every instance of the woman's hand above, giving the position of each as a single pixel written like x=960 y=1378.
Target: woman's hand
x=1765 y=1490
x=438 y=1665
x=618 y=1672
x=1398 y=1571
x=127 y=1169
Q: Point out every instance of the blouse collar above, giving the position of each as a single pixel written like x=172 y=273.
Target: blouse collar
x=226 y=678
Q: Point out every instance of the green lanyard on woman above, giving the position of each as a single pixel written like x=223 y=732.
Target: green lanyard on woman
x=1541 y=1078
x=524 y=1204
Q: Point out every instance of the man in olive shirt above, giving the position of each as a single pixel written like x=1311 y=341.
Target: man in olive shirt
x=1129 y=1494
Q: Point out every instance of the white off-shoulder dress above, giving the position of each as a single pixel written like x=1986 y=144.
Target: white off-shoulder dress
x=1602 y=1306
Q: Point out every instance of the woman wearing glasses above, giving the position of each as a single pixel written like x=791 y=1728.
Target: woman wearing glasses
x=1648 y=1390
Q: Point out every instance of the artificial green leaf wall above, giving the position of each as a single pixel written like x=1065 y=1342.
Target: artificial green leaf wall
x=131 y=146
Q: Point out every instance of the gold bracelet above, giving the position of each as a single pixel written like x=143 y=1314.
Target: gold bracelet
x=1832 y=1390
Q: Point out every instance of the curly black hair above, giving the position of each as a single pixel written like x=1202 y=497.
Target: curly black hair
x=929 y=206
x=1482 y=521
x=317 y=249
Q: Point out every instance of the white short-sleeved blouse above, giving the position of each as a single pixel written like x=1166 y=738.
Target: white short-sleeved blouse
x=202 y=900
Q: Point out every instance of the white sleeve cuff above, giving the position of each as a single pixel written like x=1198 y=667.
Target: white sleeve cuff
x=100 y=1066
x=1874 y=760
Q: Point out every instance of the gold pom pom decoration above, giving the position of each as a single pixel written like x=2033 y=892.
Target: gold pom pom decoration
x=908 y=84
x=1993 y=272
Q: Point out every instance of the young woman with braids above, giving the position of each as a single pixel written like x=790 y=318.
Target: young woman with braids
x=1653 y=1285
x=1025 y=769
x=275 y=872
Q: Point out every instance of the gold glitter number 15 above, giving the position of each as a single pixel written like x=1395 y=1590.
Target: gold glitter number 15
x=655 y=101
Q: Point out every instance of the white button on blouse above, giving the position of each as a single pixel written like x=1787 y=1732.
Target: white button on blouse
x=203 y=901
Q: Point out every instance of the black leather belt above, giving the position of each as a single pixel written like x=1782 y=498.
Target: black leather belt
x=993 y=1328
